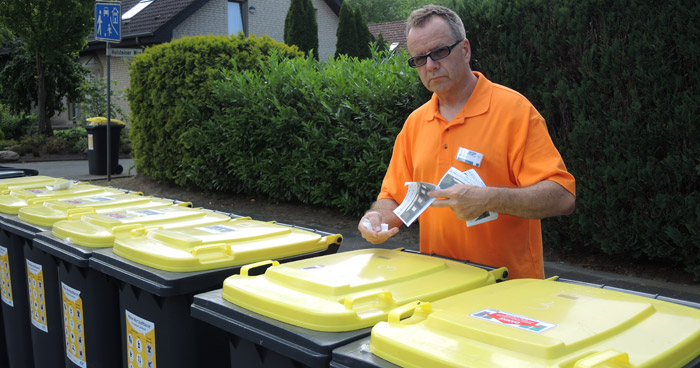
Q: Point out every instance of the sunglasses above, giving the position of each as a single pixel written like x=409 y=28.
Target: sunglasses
x=437 y=54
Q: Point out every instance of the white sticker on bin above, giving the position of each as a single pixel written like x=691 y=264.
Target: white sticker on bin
x=217 y=229
x=144 y=212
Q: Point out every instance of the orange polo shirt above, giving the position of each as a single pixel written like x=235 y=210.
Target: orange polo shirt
x=517 y=151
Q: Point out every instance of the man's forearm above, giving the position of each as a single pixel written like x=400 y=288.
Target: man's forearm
x=541 y=200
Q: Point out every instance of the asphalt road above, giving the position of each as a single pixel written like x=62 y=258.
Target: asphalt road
x=79 y=170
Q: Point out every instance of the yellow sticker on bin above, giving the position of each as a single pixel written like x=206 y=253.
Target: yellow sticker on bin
x=541 y=323
x=351 y=290
x=16 y=199
x=233 y=243
x=61 y=209
x=100 y=230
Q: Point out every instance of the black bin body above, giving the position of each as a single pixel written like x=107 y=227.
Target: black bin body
x=97 y=153
x=90 y=306
x=257 y=341
x=15 y=301
x=154 y=308
x=357 y=355
x=44 y=307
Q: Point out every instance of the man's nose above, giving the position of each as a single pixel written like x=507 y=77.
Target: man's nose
x=431 y=64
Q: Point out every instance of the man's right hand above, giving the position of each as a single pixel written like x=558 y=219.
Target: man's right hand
x=370 y=227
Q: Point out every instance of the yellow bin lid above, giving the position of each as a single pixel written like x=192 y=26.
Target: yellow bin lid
x=540 y=323
x=61 y=209
x=27 y=182
x=101 y=230
x=233 y=243
x=351 y=290
x=16 y=199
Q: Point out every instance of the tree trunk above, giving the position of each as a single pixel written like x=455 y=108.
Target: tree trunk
x=44 y=123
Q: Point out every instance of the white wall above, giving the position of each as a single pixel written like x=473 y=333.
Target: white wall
x=269 y=16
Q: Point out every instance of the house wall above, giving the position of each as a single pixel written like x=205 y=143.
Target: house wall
x=211 y=18
x=269 y=17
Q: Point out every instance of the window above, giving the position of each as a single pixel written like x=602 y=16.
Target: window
x=235 y=18
x=136 y=9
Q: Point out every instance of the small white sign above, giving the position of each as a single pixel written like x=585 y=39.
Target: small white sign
x=124 y=52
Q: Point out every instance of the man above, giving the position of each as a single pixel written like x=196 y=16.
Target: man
x=525 y=177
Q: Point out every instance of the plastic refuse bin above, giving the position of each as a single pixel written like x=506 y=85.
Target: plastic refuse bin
x=12 y=172
x=97 y=145
x=89 y=294
x=155 y=303
x=29 y=309
x=11 y=202
x=295 y=314
x=89 y=298
x=540 y=323
x=15 y=335
x=28 y=182
x=101 y=230
x=52 y=211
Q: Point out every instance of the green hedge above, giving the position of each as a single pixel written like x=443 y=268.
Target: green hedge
x=617 y=81
x=305 y=131
x=170 y=93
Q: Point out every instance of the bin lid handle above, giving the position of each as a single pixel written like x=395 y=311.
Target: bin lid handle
x=420 y=310
x=246 y=268
x=610 y=358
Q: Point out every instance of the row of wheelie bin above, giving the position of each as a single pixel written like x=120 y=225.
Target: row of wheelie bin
x=96 y=276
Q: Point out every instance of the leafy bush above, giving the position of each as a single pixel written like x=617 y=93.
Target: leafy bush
x=10 y=144
x=75 y=138
x=319 y=133
x=55 y=145
x=33 y=143
x=14 y=126
x=170 y=93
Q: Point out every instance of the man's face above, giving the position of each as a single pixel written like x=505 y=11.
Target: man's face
x=444 y=75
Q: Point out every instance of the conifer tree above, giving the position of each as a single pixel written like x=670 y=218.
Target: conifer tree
x=364 y=37
x=346 y=32
x=301 y=28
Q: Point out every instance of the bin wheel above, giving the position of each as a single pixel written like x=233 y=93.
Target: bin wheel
x=118 y=169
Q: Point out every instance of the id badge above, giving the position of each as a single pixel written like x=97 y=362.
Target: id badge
x=470 y=157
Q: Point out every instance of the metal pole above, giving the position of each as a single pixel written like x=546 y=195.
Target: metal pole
x=109 y=121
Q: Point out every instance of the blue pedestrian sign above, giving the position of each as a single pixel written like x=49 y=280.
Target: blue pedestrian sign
x=108 y=22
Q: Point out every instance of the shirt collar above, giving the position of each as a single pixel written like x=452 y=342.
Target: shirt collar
x=477 y=104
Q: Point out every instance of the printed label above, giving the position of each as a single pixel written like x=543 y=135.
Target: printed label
x=74 y=325
x=87 y=200
x=117 y=215
x=5 y=277
x=91 y=145
x=217 y=229
x=141 y=341
x=469 y=156
x=144 y=212
x=513 y=320
x=37 y=299
x=37 y=191
x=132 y=214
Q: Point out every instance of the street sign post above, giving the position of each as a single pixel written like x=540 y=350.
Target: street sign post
x=108 y=28
x=108 y=22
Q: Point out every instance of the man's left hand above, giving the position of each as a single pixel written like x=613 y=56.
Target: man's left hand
x=466 y=201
